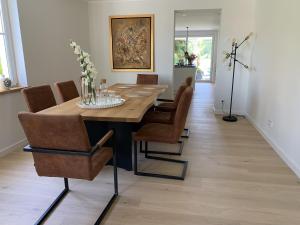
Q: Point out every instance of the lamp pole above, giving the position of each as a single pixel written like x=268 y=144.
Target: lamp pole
x=233 y=56
x=230 y=117
x=187 y=39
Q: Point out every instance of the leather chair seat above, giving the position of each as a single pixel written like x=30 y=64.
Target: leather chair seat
x=158 y=117
x=77 y=167
x=156 y=132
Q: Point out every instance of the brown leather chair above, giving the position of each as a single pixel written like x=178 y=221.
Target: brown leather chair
x=169 y=105
x=67 y=90
x=189 y=81
x=165 y=133
x=162 y=118
x=39 y=98
x=147 y=79
x=61 y=148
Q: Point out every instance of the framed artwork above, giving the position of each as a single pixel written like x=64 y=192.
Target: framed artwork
x=132 y=42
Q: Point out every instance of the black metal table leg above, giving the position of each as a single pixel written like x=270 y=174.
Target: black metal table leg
x=123 y=139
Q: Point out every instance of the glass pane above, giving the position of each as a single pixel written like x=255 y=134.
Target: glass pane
x=202 y=47
x=3 y=58
x=179 y=50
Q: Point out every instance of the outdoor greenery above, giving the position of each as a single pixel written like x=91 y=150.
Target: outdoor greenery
x=200 y=46
x=1 y=68
x=179 y=50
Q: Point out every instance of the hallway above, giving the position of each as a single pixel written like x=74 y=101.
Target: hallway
x=233 y=178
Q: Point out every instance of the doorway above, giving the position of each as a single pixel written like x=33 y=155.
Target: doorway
x=196 y=33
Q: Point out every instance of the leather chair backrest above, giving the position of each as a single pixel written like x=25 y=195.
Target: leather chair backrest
x=179 y=94
x=55 y=131
x=67 y=90
x=39 y=98
x=189 y=81
x=147 y=79
x=182 y=111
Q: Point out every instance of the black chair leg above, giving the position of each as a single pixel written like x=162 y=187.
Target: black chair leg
x=52 y=207
x=56 y=202
x=181 y=145
x=138 y=173
x=187 y=133
x=115 y=195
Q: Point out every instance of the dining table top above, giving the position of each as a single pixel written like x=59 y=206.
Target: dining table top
x=138 y=99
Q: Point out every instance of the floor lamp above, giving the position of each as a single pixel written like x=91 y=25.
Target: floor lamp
x=233 y=57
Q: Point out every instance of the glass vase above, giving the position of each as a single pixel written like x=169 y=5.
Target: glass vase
x=88 y=91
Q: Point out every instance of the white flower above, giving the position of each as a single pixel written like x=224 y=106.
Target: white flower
x=87 y=60
x=85 y=54
x=88 y=68
x=77 y=50
x=73 y=44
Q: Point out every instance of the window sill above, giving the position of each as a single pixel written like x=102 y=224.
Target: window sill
x=11 y=90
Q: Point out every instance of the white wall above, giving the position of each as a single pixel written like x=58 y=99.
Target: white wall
x=197 y=19
x=274 y=86
x=237 y=20
x=46 y=27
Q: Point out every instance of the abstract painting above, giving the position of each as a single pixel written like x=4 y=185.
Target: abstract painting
x=132 y=43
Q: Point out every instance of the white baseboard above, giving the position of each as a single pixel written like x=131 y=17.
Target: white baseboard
x=13 y=147
x=290 y=162
x=220 y=112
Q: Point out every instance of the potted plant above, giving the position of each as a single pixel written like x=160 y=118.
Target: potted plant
x=190 y=57
x=88 y=75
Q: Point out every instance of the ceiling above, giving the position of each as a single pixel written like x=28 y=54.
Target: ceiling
x=198 y=19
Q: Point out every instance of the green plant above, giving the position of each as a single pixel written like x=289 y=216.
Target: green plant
x=179 y=50
x=1 y=68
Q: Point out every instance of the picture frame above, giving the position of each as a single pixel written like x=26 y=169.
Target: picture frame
x=132 y=43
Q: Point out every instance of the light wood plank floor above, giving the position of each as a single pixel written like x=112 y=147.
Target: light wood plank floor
x=234 y=178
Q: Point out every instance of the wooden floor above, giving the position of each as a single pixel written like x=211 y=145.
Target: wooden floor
x=234 y=178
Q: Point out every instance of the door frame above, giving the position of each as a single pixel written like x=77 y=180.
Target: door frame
x=206 y=33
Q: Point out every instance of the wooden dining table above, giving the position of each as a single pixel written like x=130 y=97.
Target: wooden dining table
x=124 y=119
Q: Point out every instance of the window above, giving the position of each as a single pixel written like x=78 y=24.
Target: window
x=7 y=64
x=202 y=47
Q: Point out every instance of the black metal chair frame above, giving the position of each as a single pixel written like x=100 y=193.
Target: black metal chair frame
x=187 y=133
x=181 y=145
x=66 y=190
x=186 y=130
x=139 y=173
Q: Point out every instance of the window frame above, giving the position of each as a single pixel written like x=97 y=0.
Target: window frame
x=8 y=41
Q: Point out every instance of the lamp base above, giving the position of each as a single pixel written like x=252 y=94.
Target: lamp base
x=230 y=118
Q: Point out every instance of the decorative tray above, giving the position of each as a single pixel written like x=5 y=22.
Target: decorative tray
x=102 y=104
